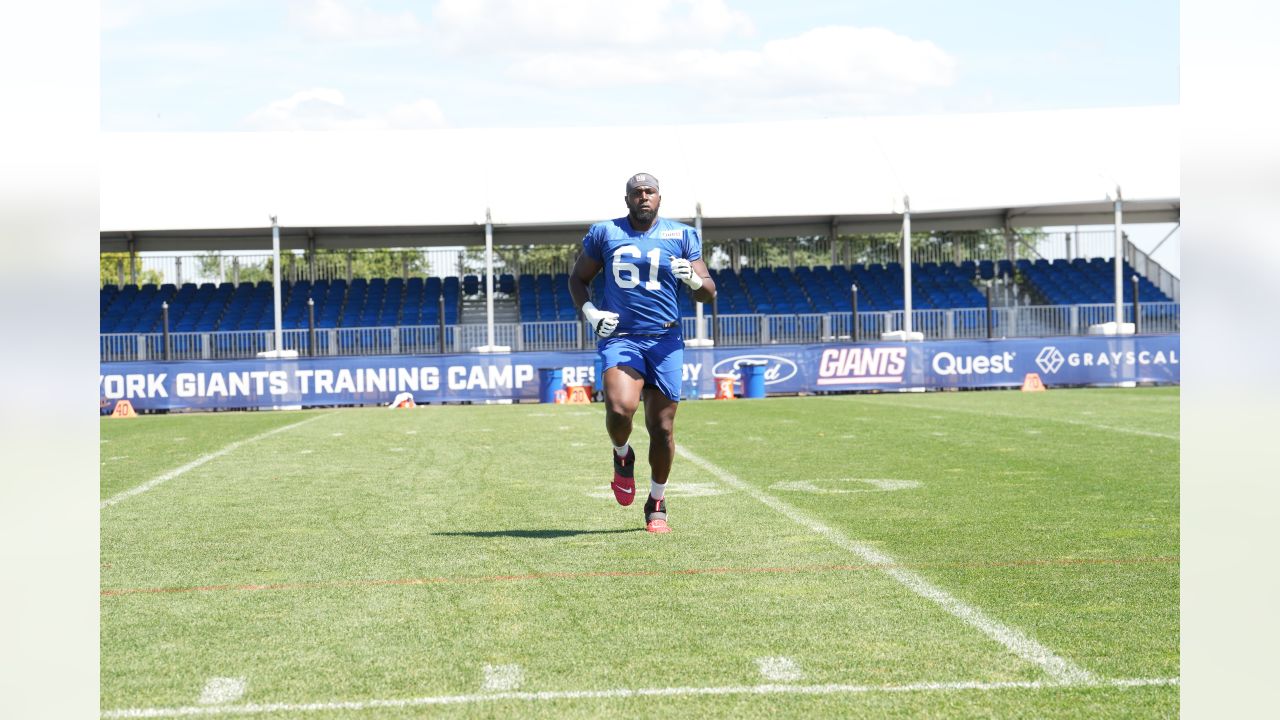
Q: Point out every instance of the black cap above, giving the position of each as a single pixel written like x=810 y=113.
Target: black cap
x=642 y=179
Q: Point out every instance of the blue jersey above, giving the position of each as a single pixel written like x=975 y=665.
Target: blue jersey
x=638 y=283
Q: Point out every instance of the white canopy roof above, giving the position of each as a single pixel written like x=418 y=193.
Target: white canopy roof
x=195 y=191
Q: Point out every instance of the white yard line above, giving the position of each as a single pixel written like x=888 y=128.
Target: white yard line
x=502 y=678
x=770 y=689
x=195 y=464
x=1058 y=668
x=779 y=669
x=1068 y=421
x=222 y=690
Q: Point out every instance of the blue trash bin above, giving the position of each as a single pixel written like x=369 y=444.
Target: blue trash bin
x=752 y=378
x=550 y=381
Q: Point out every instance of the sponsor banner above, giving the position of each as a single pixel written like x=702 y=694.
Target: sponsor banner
x=365 y=380
x=377 y=380
x=1086 y=360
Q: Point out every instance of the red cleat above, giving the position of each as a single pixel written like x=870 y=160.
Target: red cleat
x=655 y=515
x=624 y=477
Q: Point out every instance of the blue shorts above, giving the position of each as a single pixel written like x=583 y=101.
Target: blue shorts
x=658 y=358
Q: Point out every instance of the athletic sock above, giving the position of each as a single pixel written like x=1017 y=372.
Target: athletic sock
x=656 y=489
x=622 y=450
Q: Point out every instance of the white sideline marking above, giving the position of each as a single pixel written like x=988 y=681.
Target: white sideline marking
x=222 y=690
x=769 y=689
x=195 y=464
x=1024 y=647
x=779 y=669
x=502 y=678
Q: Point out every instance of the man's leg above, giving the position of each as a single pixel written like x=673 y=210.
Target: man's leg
x=622 y=385
x=659 y=419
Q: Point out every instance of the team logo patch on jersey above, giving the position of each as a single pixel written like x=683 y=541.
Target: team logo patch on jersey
x=670 y=234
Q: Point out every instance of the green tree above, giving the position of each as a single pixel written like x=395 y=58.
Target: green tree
x=112 y=265
x=532 y=259
x=385 y=263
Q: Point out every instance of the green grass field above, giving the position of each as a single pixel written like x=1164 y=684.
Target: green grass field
x=983 y=554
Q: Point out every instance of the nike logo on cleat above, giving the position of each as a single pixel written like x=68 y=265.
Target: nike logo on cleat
x=625 y=490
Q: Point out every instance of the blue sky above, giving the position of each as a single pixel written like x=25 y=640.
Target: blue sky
x=219 y=65
x=245 y=65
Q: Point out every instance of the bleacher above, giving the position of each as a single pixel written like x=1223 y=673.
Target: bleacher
x=1085 y=281
x=373 y=309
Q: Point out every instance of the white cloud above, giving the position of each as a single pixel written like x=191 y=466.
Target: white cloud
x=352 y=21
x=855 y=63
x=514 y=26
x=327 y=109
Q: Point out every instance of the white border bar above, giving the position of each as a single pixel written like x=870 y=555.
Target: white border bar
x=830 y=689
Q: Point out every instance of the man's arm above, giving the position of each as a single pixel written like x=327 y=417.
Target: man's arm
x=694 y=274
x=584 y=269
x=707 y=292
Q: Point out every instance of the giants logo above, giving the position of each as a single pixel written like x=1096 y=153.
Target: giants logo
x=853 y=365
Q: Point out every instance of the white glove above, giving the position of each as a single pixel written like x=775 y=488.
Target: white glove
x=683 y=270
x=602 y=321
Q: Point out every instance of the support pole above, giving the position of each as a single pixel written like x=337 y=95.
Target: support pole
x=1119 y=309
x=488 y=276
x=990 y=320
x=311 y=255
x=701 y=333
x=133 y=261
x=311 y=327
x=906 y=264
x=164 y=318
x=834 y=233
x=275 y=281
x=715 y=322
x=442 y=323
x=1137 y=322
x=853 y=316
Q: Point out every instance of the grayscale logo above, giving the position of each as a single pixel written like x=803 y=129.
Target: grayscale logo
x=1050 y=359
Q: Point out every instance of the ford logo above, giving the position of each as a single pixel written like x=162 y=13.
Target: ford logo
x=777 y=369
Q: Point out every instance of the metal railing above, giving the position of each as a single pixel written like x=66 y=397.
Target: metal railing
x=734 y=330
x=1142 y=263
x=297 y=265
